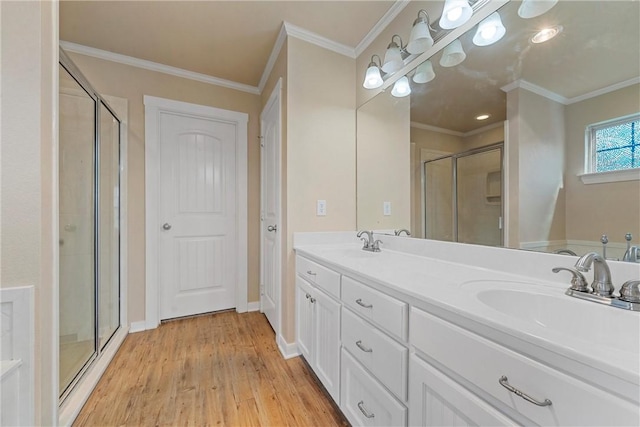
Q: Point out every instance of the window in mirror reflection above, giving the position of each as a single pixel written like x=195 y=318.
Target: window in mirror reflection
x=615 y=144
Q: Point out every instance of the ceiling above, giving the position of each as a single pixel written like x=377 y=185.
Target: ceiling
x=231 y=40
x=599 y=47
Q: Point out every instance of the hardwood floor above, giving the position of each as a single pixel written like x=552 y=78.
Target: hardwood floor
x=220 y=369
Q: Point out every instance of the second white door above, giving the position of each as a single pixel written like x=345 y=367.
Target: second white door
x=197 y=215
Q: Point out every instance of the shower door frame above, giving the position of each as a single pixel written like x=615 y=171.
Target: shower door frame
x=73 y=397
x=454 y=187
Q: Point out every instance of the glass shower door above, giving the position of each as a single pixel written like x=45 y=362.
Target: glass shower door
x=77 y=228
x=438 y=199
x=109 y=228
x=479 y=197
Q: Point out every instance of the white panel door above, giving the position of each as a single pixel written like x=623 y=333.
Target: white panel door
x=197 y=215
x=270 y=213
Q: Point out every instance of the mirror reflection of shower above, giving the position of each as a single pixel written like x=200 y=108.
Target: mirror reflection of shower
x=462 y=197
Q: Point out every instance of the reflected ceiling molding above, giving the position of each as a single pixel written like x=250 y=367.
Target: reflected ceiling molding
x=484 y=129
x=453 y=132
x=157 y=67
x=381 y=25
x=435 y=129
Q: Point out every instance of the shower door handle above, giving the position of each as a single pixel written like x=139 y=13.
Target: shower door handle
x=166 y=226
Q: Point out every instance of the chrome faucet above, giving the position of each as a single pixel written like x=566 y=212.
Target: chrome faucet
x=601 y=284
x=632 y=254
x=565 y=252
x=402 y=230
x=370 y=244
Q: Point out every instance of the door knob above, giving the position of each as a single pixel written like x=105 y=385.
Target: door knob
x=272 y=228
x=166 y=226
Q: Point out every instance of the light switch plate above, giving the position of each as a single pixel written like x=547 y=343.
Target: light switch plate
x=321 y=208
x=386 y=208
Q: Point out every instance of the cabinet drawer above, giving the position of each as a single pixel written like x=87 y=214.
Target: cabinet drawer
x=483 y=363
x=383 y=356
x=322 y=277
x=385 y=311
x=364 y=401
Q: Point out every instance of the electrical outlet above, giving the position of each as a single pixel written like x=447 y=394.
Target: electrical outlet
x=386 y=208
x=321 y=208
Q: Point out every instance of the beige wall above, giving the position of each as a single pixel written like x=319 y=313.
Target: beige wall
x=608 y=208
x=383 y=163
x=320 y=151
x=133 y=83
x=29 y=55
x=536 y=167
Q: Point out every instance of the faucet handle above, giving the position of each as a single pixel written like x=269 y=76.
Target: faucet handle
x=578 y=281
x=630 y=291
x=375 y=246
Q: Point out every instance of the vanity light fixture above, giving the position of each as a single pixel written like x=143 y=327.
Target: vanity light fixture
x=483 y=117
x=532 y=8
x=373 y=78
x=424 y=72
x=420 y=39
x=453 y=54
x=393 y=60
x=546 y=34
x=401 y=88
x=489 y=31
x=455 y=13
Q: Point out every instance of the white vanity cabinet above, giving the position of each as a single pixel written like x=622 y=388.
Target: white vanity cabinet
x=318 y=332
x=557 y=399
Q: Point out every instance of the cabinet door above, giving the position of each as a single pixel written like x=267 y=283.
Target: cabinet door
x=437 y=400
x=304 y=319
x=326 y=341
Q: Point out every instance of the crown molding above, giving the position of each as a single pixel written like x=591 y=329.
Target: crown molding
x=318 y=40
x=154 y=66
x=288 y=29
x=604 y=90
x=275 y=51
x=379 y=27
x=523 y=84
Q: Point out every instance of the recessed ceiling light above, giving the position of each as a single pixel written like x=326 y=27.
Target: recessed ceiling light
x=546 y=34
x=483 y=117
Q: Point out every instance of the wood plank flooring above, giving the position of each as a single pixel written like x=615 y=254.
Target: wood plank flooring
x=221 y=369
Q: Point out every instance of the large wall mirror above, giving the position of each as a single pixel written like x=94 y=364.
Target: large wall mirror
x=491 y=145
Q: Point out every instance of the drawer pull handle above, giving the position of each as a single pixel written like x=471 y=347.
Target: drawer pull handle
x=364 y=411
x=311 y=273
x=308 y=296
x=504 y=383
x=363 y=348
x=313 y=300
x=360 y=303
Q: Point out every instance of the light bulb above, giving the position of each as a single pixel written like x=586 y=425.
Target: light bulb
x=489 y=31
x=454 y=14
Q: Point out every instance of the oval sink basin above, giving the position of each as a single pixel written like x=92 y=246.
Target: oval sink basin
x=549 y=308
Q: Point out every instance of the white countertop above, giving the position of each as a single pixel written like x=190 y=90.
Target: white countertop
x=601 y=344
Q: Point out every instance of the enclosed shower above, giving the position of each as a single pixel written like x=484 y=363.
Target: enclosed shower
x=89 y=204
x=462 y=197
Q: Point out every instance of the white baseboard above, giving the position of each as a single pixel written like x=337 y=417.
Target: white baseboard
x=288 y=350
x=138 y=326
x=253 y=306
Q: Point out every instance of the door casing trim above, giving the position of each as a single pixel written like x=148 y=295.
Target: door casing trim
x=154 y=106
